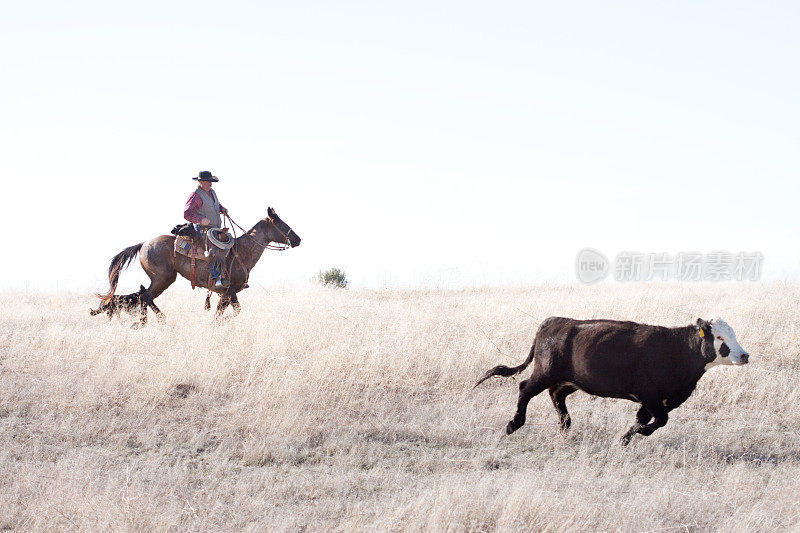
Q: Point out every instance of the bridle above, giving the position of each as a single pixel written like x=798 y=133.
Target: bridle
x=279 y=247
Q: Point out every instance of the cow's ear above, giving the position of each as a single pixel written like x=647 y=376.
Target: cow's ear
x=703 y=327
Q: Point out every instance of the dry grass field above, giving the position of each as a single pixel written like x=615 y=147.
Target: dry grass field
x=352 y=410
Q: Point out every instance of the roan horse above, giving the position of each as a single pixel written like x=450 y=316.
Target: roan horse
x=162 y=265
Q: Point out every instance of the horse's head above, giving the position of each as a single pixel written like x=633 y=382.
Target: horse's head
x=279 y=231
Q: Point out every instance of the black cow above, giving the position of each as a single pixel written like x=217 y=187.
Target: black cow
x=655 y=366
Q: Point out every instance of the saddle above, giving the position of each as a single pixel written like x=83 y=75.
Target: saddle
x=208 y=245
x=213 y=243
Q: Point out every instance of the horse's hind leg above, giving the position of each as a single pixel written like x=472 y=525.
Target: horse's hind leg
x=156 y=257
x=159 y=281
x=148 y=301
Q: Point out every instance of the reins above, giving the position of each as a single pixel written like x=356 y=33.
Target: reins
x=280 y=247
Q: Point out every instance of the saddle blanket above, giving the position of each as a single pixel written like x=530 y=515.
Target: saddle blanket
x=184 y=246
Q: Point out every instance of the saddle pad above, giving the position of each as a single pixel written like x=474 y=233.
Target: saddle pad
x=183 y=246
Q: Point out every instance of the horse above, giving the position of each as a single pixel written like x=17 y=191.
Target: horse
x=162 y=265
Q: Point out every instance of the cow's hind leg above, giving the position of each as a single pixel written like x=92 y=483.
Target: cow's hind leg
x=643 y=424
x=559 y=393
x=527 y=390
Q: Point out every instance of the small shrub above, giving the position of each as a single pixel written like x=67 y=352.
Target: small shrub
x=333 y=276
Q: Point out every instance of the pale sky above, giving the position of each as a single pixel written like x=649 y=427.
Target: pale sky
x=409 y=143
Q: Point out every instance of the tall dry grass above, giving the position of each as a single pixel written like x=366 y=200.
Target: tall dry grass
x=325 y=409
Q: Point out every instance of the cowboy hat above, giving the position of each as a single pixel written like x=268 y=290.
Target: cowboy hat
x=205 y=175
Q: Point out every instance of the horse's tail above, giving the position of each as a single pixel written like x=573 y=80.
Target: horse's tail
x=118 y=263
x=505 y=371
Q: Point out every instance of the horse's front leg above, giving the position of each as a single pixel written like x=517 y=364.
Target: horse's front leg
x=237 y=307
x=224 y=302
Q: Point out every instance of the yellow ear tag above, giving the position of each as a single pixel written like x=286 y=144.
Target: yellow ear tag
x=701 y=333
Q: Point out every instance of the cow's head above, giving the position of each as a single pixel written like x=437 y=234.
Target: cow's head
x=720 y=346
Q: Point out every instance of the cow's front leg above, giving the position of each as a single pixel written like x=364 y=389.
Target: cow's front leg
x=643 y=416
x=643 y=425
x=659 y=420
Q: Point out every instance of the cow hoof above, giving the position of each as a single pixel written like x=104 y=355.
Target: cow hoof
x=510 y=428
x=625 y=440
x=137 y=325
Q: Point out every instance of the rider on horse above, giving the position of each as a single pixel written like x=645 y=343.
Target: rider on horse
x=203 y=210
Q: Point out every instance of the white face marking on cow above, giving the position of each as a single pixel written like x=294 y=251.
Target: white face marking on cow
x=727 y=348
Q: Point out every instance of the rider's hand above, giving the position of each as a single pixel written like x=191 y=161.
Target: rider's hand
x=205 y=222
x=224 y=211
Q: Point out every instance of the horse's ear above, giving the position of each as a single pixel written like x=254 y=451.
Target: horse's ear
x=270 y=212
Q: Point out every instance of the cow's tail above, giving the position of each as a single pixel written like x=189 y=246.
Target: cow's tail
x=119 y=262
x=505 y=371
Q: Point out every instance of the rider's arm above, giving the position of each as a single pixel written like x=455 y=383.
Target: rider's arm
x=190 y=210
